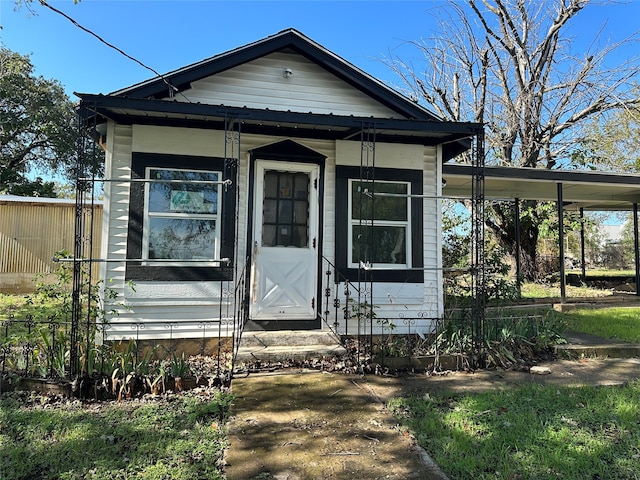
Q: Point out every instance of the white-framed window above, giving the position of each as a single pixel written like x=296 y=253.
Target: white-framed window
x=181 y=215
x=379 y=230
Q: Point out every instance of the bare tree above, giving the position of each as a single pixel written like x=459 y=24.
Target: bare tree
x=509 y=65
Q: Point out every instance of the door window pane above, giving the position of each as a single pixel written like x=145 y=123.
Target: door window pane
x=271 y=184
x=300 y=211
x=269 y=211
x=269 y=235
x=301 y=186
x=300 y=236
x=284 y=236
x=285 y=185
x=285 y=212
x=285 y=221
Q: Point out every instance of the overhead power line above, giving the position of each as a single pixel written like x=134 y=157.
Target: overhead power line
x=172 y=89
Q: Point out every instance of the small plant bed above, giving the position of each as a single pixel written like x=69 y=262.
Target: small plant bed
x=529 y=432
x=127 y=381
x=618 y=323
x=509 y=338
x=177 y=436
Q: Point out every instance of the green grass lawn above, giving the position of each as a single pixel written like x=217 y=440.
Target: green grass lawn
x=620 y=323
x=20 y=306
x=537 y=432
x=530 y=432
x=180 y=437
x=605 y=273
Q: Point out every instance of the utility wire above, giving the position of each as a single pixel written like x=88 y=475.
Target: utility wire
x=172 y=89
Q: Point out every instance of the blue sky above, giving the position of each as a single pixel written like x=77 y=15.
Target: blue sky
x=169 y=34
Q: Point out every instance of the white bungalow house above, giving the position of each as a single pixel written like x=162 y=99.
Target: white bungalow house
x=265 y=188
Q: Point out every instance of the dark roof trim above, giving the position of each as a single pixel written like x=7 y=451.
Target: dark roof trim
x=555 y=176
x=134 y=109
x=290 y=39
x=287 y=149
x=98 y=102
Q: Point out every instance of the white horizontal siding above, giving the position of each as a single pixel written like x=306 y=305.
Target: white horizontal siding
x=149 y=323
x=179 y=293
x=116 y=217
x=387 y=155
x=410 y=307
x=261 y=84
x=183 y=310
x=432 y=229
x=178 y=141
x=329 y=225
x=189 y=305
x=404 y=305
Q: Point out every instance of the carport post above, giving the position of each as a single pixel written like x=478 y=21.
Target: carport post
x=636 y=252
x=582 y=255
x=563 y=282
x=516 y=214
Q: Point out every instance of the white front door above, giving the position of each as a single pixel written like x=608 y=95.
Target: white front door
x=285 y=245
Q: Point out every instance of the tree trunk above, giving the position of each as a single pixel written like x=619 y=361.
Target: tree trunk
x=528 y=253
x=501 y=223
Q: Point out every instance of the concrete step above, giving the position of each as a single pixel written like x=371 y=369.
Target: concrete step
x=610 y=350
x=288 y=345
x=288 y=338
x=283 y=353
x=582 y=344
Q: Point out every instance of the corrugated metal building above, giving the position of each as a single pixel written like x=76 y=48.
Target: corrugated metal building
x=32 y=230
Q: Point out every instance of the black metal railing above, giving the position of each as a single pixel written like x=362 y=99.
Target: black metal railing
x=349 y=311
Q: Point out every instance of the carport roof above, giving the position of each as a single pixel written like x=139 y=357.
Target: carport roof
x=580 y=189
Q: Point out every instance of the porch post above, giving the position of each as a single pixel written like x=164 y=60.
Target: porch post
x=563 y=282
x=517 y=235
x=636 y=252
x=582 y=254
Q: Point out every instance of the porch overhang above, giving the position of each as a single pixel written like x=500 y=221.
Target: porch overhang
x=597 y=191
x=455 y=137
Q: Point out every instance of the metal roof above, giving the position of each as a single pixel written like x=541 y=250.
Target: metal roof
x=6 y=199
x=454 y=135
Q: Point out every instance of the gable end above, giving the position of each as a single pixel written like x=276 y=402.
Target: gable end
x=288 y=41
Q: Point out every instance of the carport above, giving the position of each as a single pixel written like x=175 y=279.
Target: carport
x=570 y=189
